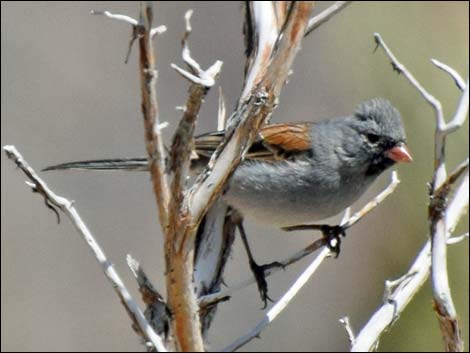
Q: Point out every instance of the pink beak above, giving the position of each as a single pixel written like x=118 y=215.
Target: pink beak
x=399 y=153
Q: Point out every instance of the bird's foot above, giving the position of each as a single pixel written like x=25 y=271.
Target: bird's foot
x=260 y=277
x=333 y=234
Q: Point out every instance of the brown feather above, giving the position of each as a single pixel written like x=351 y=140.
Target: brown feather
x=288 y=137
x=275 y=141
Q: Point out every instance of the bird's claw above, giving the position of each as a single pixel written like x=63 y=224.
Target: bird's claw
x=333 y=234
x=260 y=277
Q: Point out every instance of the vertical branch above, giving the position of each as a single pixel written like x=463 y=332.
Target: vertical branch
x=255 y=106
x=438 y=211
x=261 y=33
x=443 y=303
x=180 y=241
x=153 y=138
x=181 y=299
x=250 y=114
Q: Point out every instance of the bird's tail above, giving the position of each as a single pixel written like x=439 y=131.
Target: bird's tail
x=129 y=164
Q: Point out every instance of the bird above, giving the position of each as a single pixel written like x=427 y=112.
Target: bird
x=301 y=172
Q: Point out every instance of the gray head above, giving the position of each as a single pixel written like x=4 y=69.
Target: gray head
x=374 y=135
x=378 y=116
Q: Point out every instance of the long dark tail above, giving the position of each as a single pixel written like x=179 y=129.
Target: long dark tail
x=205 y=146
x=129 y=164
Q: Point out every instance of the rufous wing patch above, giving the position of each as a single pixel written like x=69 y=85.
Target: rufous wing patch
x=287 y=137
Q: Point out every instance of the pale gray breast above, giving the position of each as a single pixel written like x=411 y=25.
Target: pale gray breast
x=290 y=193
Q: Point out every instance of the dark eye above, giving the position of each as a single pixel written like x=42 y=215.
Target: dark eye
x=372 y=138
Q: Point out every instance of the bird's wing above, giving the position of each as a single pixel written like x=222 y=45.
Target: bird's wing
x=274 y=141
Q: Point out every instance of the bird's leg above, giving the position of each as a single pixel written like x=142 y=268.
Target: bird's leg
x=258 y=270
x=332 y=234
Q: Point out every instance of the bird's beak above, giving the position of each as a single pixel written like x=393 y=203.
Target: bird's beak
x=399 y=153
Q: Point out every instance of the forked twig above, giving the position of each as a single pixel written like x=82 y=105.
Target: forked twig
x=68 y=209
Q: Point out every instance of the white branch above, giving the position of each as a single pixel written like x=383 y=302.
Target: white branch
x=417 y=274
x=267 y=34
x=401 y=69
x=460 y=114
x=197 y=75
x=280 y=305
x=207 y=79
x=157 y=30
x=123 y=18
x=457 y=239
x=442 y=220
x=454 y=74
x=222 y=112
x=325 y=15
x=347 y=326
x=67 y=207
x=127 y=19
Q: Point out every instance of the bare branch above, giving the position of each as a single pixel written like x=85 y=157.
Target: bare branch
x=127 y=19
x=347 y=326
x=205 y=80
x=183 y=143
x=460 y=114
x=325 y=15
x=454 y=74
x=401 y=69
x=157 y=312
x=197 y=75
x=222 y=113
x=153 y=138
x=391 y=285
x=124 y=18
x=443 y=303
x=444 y=189
x=440 y=219
x=266 y=34
x=416 y=276
x=157 y=30
x=67 y=208
x=280 y=305
x=180 y=238
x=457 y=239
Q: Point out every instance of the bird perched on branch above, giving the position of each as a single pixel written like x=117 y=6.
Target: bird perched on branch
x=296 y=173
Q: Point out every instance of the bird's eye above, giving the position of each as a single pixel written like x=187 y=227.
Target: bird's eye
x=372 y=138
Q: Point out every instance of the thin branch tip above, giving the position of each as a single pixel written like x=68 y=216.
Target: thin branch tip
x=325 y=15
x=118 y=17
x=347 y=326
x=457 y=239
x=158 y=30
x=187 y=18
x=459 y=81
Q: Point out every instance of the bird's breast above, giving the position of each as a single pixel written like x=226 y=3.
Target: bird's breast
x=289 y=193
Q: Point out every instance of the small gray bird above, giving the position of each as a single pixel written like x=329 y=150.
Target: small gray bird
x=296 y=173
x=301 y=172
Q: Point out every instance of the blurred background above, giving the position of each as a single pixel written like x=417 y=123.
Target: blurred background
x=66 y=95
